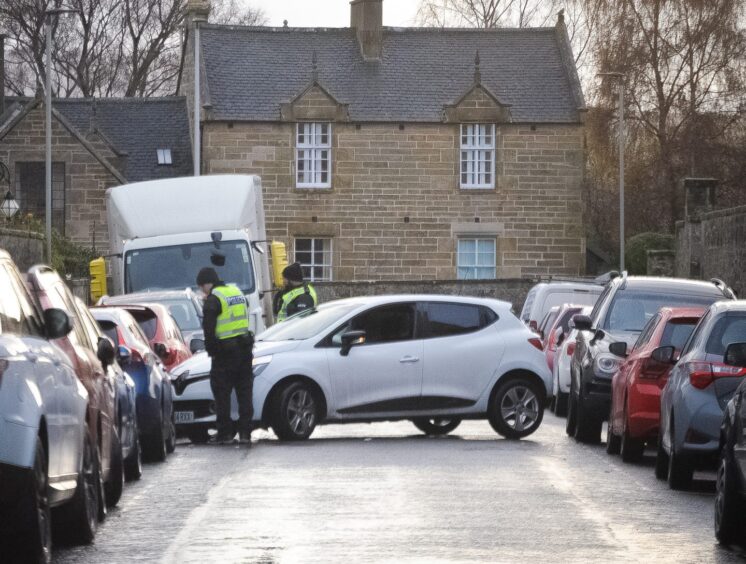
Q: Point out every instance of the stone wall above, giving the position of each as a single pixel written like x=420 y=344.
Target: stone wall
x=661 y=263
x=26 y=249
x=713 y=247
x=86 y=179
x=509 y=290
x=395 y=209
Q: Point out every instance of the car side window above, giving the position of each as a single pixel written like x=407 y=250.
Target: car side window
x=728 y=329
x=696 y=334
x=445 y=320
x=647 y=332
x=382 y=325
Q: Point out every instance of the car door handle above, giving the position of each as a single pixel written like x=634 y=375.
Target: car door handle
x=409 y=359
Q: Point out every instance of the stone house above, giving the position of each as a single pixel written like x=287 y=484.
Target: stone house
x=96 y=144
x=400 y=153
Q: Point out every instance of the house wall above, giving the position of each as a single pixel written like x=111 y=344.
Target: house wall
x=395 y=209
x=86 y=179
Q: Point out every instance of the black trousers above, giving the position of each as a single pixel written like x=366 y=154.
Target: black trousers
x=225 y=377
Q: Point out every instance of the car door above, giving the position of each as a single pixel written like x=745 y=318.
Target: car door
x=384 y=375
x=462 y=351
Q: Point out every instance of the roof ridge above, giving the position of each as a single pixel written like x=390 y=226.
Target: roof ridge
x=475 y=30
x=120 y=99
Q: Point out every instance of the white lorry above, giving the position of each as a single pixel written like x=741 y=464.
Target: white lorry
x=162 y=232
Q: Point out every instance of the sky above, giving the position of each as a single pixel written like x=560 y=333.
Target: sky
x=331 y=13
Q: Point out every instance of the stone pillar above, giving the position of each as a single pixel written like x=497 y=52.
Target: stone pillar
x=661 y=263
x=699 y=196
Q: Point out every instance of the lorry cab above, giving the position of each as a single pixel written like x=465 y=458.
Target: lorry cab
x=162 y=232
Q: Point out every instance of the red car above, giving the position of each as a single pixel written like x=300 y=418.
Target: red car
x=559 y=331
x=636 y=387
x=162 y=332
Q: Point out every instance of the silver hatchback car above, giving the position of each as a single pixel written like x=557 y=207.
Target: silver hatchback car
x=700 y=385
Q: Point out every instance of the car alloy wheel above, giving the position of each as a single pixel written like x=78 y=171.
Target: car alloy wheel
x=295 y=412
x=680 y=472
x=436 y=426
x=730 y=525
x=34 y=544
x=516 y=409
x=76 y=521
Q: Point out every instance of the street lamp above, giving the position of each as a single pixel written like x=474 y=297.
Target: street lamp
x=49 y=14
x=9 y=206
x=620 y=76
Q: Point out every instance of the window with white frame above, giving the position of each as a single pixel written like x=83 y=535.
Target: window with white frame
x=478 y=155
x=315 y=257
x=476 y=259
x=314 y=155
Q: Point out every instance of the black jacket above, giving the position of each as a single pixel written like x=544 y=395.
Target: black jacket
x=236 y=349
x=304 y=301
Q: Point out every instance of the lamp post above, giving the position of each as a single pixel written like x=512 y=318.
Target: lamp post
x=49 y=14
x=620 y=76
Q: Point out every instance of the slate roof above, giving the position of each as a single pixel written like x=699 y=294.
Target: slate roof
x=250 y=71
x=134 y=128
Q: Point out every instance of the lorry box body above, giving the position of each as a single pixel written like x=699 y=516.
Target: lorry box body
x=162 y=232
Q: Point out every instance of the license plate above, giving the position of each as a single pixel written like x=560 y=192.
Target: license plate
x=184 y=416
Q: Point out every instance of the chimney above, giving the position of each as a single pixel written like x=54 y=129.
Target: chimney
x=2 y=74
x=197 y=11
x=366 y=18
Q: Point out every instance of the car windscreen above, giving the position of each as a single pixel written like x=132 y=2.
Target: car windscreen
x=184 y=313
x=176 y=267
x=307 y=323
x=630 y=310
x=147 y=321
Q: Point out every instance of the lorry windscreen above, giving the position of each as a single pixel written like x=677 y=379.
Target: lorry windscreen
x=176 y=267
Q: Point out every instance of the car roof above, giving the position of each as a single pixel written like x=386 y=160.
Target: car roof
x=566 y=285
x=679 y=312
x=674 y=285
x=109 y=313
x=147 y=297
x=728 y=305
x=394 y=298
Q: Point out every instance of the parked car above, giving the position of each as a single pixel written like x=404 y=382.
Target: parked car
x=730 y=499
x=561 y=367
x=91 y=360
x=46 y=452
x=701 y=383
x=155 y=421
x=185 y=307
x=389 y=358
x=545 y=295
x=558 y=331
x=636 y=387
x=626 y=305
x=162 y=332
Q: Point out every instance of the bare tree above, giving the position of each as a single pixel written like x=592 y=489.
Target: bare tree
x=107 y=47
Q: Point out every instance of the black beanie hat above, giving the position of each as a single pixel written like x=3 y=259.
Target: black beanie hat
x=294 y=272
x=207 y=276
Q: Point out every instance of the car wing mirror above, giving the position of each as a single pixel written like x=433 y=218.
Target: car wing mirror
x=582 y=322
x=196 y=345
x=160 y=350
x=105 y=352
x=664 y=355
x=57 y=323
x=124 y=354
x=351 y=339
x=735 y=355
x=619 y=349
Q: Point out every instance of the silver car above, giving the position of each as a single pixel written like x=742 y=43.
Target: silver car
x=700 y=385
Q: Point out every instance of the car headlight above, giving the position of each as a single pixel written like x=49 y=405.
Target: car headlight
x=260 y=363
x=606 y=365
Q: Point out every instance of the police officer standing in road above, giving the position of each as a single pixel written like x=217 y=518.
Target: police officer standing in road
x=229 y=342
x=295 y=295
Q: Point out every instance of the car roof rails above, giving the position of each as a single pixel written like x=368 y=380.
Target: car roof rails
x=606 y=277
x=724 y=288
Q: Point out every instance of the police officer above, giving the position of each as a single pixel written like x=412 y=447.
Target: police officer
x=295 y=295
x=229 y=343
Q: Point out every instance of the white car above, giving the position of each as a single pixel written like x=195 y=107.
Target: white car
x=432 y=359
x=561 y=369
x=45 y=458
x=546 y=295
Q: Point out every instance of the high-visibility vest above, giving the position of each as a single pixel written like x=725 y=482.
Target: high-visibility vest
x=288 y=298
x=233 y=320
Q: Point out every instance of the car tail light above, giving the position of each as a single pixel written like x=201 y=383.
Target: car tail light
x=537 y=343
x=702 y=374
x=652 y=369
x=571 y=348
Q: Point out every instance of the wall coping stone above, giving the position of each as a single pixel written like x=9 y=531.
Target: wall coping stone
x=21 y=233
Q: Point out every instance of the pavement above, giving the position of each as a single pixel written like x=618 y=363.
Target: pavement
x=384 y=492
